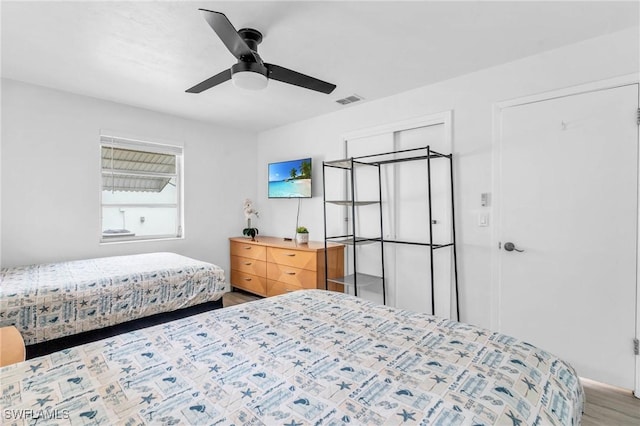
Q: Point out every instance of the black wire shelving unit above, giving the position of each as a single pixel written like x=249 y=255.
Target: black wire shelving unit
x=349 y=165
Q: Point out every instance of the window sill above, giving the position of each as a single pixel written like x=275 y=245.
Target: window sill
x=116 y=240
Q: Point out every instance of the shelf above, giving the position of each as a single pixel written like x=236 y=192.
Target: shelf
x=362 y=280
x=422 y=154
x=339 y=164
x=437 y=246
x=347 y=240
x=371 y=159
x=346 y=163
x=417 y=243
x=349 y=202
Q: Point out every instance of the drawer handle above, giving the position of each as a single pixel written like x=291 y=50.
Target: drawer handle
x=290 y=254
x=248 y=263
x=247 y=279
x=247 y=248
x=289 y=273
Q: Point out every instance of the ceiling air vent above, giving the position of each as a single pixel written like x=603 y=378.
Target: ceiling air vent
x=349 y=99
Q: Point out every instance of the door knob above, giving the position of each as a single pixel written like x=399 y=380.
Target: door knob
x=511 y=247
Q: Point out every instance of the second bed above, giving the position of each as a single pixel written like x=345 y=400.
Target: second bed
x=51 y=301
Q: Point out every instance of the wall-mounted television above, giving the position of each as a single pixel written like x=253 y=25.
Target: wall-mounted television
x=290 y=179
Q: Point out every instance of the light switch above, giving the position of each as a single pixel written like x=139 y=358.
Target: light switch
x=483 y=219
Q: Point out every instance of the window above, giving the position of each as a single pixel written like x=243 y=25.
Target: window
x=141 y=192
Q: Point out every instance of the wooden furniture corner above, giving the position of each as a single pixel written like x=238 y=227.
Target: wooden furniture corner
x=12 y=349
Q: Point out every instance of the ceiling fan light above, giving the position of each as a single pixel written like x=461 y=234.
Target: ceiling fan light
x=249 y=80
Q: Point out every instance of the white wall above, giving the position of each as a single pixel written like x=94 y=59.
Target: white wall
x=51 y=180
x=1 y=127
x=471 y=97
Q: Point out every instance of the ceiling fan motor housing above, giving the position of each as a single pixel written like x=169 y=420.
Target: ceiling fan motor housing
x=250 y=72
x=252 y=37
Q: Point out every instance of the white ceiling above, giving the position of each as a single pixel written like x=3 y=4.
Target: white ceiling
x=147 y=54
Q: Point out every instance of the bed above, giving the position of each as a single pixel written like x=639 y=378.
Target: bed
x=307 y=357
x=51 y=301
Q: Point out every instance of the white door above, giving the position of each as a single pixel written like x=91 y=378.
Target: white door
x=568 y=198
x=411 y=274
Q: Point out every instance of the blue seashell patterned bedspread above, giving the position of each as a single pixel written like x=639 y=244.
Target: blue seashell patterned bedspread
x=305 y=358
x=59 y=299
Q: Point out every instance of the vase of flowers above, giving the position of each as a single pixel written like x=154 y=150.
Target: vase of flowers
x=249 y=211
x=302 y=235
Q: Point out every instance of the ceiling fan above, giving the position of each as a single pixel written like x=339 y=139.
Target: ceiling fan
x=251 y=72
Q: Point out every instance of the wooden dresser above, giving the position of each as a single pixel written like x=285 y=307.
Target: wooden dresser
x=270 y=266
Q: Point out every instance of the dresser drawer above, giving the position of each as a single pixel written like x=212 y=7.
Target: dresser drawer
x=252 y=251
x=251 y=283
x=275 y=288
x=288 y=274
x=249 y=266
x=296 y=258
x=270 y=266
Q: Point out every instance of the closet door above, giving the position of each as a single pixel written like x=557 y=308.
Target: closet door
x=405 y=217
x=411 y=223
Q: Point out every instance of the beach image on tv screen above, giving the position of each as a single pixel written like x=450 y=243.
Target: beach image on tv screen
x=290 y=179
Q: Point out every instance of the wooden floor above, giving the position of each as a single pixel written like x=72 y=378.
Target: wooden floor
x=609 y=406
x=606 y=405
x=237 y=297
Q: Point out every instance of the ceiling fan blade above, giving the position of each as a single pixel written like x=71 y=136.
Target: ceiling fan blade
x=292 y=77
x=210 y=82
x=228 y=34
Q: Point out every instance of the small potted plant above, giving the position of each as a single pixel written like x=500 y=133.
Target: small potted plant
x=302 y=235
x=250 y=232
